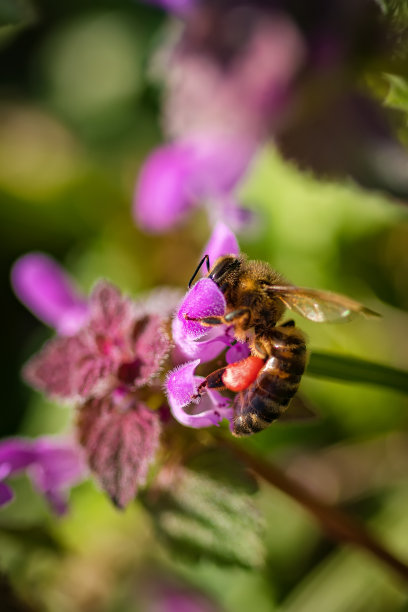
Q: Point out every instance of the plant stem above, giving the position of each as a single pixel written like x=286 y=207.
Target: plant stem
x=338 y=525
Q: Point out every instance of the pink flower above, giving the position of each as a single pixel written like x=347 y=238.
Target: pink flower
x=220 y=106
x=105 y=365
x=178 y=177
x=115 y=348
x=53 y=465
x=179 y=7
x=48 y=292
x=202 y=344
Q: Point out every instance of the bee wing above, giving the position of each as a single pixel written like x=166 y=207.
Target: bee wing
x=320 y=306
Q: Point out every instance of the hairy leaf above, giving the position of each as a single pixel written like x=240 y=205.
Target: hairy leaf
x=120 y=442
x=198 y=516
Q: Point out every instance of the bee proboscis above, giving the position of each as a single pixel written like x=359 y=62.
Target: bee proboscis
x=256 y=298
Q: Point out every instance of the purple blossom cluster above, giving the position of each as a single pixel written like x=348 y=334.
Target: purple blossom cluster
x=107 y=359
x=217 y=114
x=241 y=74
x=107 y=350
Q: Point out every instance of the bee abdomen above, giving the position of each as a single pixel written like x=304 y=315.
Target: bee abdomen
x=269 y=395
x=253 y=414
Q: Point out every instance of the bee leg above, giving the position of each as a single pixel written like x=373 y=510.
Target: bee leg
x=213 y=381
x=289 y=323
x=258 y=349
x=237 y=314
x=210 y=321
x=227 y=320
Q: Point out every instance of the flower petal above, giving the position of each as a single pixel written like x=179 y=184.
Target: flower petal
x=239 y=218
x=179 y=7
x=222 y=242
x=181 y=385
x=120 y=439
x=6 y=494
x=60 y=462
x=43 y=286
x=58 y=466
x=219 y=163
x=52 y=464
x=15 y=454
x=204 y=349
x=237 y=352
x=162 y=194
x=203 y=300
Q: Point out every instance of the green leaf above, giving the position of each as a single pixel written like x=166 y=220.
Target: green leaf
x=199 y=517
x=32 y=537
x=222 y=465
x=352 y=369
x=398 y=92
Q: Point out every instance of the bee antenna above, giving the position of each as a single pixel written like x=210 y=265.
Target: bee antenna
x=206 y=259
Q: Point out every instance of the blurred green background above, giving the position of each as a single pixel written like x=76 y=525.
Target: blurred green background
x=78 y=115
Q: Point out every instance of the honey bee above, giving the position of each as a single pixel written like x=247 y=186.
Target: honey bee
x=256 y=299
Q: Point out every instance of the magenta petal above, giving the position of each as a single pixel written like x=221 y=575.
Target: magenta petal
x=179 y=7
x=181 y=385
x=203 y=300
x=204 y=349
x=60 y=462
x=162 y=195
x=237 y=352
x=43 y=286
x=6 y=494
x=238 y=217
x=219 y=163
x=52 y=465
x=15 y=454
x=57 y=467
x=222 y=242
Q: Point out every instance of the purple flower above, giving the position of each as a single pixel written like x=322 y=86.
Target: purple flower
x=179 y=7
x=202 y=344
x=242 y=73
x=48 y=292
x=178 y=177
x=222 y=242
x=182 y=385
x=115 y=348
x=104 y=366
x=169 y=596
x=205 y=299
x=220 y=107
x=52 y=465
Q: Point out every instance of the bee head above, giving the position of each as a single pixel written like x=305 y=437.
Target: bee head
x=224 y=268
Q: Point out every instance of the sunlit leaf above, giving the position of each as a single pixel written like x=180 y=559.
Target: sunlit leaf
x=200 y=517
x=352 y=369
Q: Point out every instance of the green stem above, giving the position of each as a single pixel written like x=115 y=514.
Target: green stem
x=352 y=369
x=337 y=524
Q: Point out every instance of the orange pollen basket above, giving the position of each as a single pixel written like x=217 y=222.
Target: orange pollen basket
x=241 y=374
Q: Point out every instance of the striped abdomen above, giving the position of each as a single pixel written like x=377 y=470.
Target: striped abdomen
x=269 y=395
